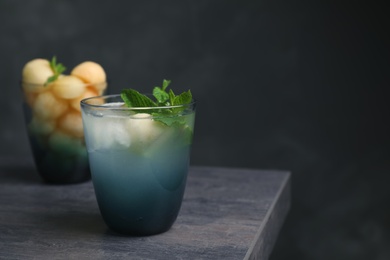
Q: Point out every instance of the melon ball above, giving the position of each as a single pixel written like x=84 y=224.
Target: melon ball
x=89 y=72
x=72 y=123
x=37 y=71
x=75 y=103
x=68 y=87
x=100 y=87
x=48 y=106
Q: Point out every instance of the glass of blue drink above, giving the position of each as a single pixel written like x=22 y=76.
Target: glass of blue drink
x=139 y=159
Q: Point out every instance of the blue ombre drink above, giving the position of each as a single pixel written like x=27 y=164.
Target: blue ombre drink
x=138 y=163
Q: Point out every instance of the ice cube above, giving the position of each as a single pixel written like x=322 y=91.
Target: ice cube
x=143 y=129
x=107 y=132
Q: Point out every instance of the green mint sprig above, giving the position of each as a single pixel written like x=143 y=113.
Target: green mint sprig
x=160 y=93
x=57 y=68
x=133 y=98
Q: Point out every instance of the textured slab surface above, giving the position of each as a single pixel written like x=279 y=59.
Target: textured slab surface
x=226 y=214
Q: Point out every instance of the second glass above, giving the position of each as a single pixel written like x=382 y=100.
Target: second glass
x=55 y=131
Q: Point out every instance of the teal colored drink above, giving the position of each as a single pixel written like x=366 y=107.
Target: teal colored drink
x=139 y=163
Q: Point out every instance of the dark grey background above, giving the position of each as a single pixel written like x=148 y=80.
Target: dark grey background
x=280 y=84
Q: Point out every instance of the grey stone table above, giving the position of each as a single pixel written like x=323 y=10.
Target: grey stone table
x=227 y=213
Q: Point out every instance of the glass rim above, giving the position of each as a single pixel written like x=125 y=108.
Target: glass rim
x=124 y=108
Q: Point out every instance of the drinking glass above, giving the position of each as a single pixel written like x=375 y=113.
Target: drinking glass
x=139 y=159
x=54 y=126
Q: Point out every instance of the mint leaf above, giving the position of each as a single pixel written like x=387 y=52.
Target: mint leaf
x=171 y=96
x=50 y=80
x=168 y=119
x=133 y=98
x=183 y=98
x=167 y=116
x=57 y=69
x=161 y=95
x=165 y=84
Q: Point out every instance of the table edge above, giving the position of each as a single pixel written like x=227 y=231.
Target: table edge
x=279 y=207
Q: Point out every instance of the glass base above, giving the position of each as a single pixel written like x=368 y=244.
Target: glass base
x=140 y=226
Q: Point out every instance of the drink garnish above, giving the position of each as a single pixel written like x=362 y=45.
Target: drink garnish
x=57 y=68
x=133 y=98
